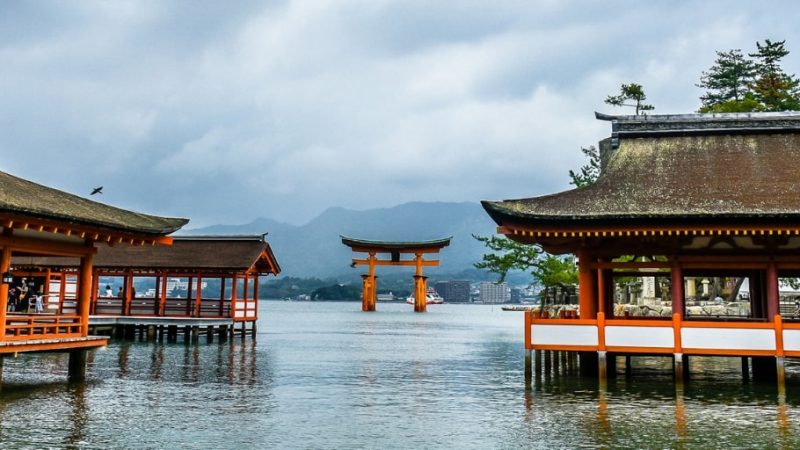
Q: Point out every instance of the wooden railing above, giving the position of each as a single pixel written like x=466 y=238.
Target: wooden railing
x=173 y=307
x=41 y=326
x=667 y=336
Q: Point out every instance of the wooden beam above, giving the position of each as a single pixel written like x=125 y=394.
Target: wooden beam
x=45 y=247
x=380 y=262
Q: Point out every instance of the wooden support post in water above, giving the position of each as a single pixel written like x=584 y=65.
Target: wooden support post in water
x=528 y=367
x=77 y=365
x=537 y=363
x=628 y=367
x=745 y=369
x=547 y=362
x=556 y=363
x=187 y=334
x=254 y=328
x=195 y=334
x=678 y=369
x=780 y=368
x=210 y=333
x=151 y=333
x=602 y=365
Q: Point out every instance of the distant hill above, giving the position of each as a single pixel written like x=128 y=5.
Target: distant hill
x=315 y=249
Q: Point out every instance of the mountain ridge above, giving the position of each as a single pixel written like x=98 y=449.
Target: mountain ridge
x=314 y=249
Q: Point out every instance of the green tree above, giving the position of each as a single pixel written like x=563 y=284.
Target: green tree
x=773 y=88
x=727 y=84
x=590 y=171
x=506 y=255
x=633 y=92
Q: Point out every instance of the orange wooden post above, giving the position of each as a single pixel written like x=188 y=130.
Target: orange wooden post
x=5 y=266
x=365 y=280
x=162 y=294
x=587 y=300
x=127 y=298
x=197 y=303
x=373 y=285
x=62 y=291
x=420 y=294
x=246 y=294
x=200 y=288
x=84 y=292
x=773 y=297
x=255 y=294
x=92 y=296
x=528 y=325
x=233 y=295
x=676 y=292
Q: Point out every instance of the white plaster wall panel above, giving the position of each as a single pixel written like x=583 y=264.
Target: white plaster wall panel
x=564 y=334
x=728 y=338
x=640 y=337
x=791 y=340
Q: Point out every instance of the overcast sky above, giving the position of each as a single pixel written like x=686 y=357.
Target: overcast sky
x=223 y=112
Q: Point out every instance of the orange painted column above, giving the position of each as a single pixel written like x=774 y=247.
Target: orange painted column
x=162 y=294
x=127 y=297
x=365 y=280
x=85 y=291
x=373 y=283
x=420 y=300
x=587 y=298
x=5 y=266
x=255 y=294
x=773 y=297
x=676 y=290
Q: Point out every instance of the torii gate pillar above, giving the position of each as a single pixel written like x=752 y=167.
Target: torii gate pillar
x=420 y=293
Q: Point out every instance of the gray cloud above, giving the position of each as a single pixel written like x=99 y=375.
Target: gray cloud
x=223 y=112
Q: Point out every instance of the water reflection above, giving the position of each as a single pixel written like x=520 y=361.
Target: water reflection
x=649 y=409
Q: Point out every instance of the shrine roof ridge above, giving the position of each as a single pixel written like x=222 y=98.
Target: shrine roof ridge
x=700 y=124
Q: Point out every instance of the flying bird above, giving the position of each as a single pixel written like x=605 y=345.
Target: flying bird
x=97 y=190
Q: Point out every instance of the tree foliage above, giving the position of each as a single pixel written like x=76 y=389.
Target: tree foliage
x=631 y=92
x=774 y=88
x=727 y=84
x=589 y=172
x=738 y=84
x=506 y=255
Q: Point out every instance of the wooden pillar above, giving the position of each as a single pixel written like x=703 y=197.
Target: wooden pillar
x=127 y=298
x=85 y=292
x=77 y=364
x=420 y=298
x=5 y=266
x=587 y=298
x=234 y=299
x=200 y=291
x=420 y=294
x=773 y=297
x=528 y=366
x=256 y=282
x=373 y=288
x=162 y=294
x=94 y=293
x=676 y=289
x=365 y=304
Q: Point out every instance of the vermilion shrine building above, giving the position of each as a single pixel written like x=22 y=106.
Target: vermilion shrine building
x=41 y=221
x=198 y=281
x=680 y=198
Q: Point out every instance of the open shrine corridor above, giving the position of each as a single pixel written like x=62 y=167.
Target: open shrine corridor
x=326 y=375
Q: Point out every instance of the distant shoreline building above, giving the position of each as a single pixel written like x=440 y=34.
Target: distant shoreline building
x=491 y=293
x=455 y=291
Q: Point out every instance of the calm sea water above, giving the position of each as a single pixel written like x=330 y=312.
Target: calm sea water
x=326 y=375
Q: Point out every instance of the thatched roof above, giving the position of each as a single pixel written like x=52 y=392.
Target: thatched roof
x=23 y=198
x=723 y=168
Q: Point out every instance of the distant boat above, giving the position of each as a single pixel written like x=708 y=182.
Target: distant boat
x=431 y=298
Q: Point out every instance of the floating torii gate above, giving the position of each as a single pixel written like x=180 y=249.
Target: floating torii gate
x=394 y=249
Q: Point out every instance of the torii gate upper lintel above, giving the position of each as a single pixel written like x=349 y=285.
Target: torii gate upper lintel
x=394 y=250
